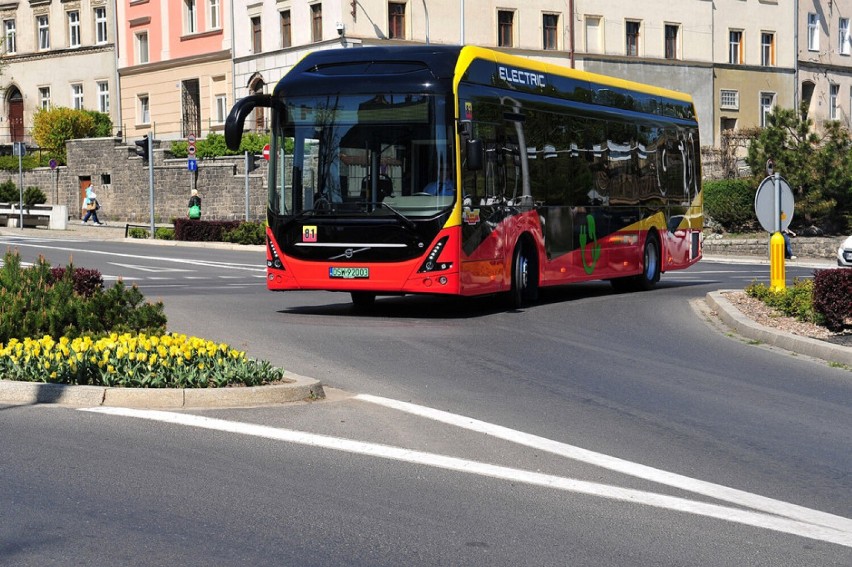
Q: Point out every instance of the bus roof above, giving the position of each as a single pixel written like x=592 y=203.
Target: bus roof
x=439 y=69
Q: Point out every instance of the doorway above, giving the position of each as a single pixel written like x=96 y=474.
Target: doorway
x=16 y=114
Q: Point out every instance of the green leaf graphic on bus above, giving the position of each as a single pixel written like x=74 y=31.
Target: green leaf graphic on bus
x=589 y=232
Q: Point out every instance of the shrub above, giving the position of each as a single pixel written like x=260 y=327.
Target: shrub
x=202 y=230
x=833 y=297
x=35 y=302
x=85 y=282
x=794 y=301
x=9 y=192
x=138 y=232
x=247 y=233
x=164 y=233
x=27 y=163
x=34 y=196
x=730 y=202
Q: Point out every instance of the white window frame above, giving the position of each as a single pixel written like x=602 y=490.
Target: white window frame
x=77 y=96
x=736 y=55
x=43 y=27
x=844 y=42
x=833 y=101
x=768 y=50
x=813 y=32
x=74 y=39
x=214 y=15
x=141 y=46
x=103 y=96
x=143 y=109
x=190 y=17
x=221 y=105
x=766 y=109
x=44 y=98
x=729 y=99
x=101 y=28
x=9 y=28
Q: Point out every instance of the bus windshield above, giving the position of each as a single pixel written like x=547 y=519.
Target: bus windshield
x=375 y=154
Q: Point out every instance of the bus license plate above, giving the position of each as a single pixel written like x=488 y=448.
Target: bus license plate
x=348 y=273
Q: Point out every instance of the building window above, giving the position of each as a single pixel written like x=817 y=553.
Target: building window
x=142 y=47
x=767 y=49
x=316 y=22
x=256 y=44
x=735 y=47
x=632 y=39
x=101 y=35
x=77 y=97
x=813 y=32
x=396 y=20
x=728 y=124
x=190 y=17
x=767 y=101
x=143 y=110
x=43 y=32
x=213 y=16
x=730 y=100
x=843 y=42
x=11 y=37
x=671 y=41
x=221 y=108
x=550 y=35
x=505 y=28
x=286 y=33
x=833 y=96
x=103 y=97
x=593 y=34
x=44 y=97
x=74 y=29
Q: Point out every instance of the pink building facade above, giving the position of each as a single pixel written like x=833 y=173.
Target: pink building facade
x=175 y=67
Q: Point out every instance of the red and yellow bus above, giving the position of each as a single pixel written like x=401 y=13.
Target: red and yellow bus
x=465 y=171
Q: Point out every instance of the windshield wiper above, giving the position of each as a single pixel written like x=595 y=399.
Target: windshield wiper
x=406 y=222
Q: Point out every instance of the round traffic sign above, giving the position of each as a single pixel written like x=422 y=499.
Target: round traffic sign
x=764 y=203
x=190 y=150
x=266 y=152
x=191 y=138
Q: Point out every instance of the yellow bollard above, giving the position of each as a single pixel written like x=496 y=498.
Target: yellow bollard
x=777 y=277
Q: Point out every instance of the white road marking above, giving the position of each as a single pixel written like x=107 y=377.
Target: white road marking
x=750 y=518
x=149 y=268
x=716 y=491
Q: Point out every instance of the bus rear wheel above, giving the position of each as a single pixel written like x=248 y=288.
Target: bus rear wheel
x=650 y=268
x=524 y=278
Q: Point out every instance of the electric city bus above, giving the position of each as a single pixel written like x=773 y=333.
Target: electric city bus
x=464 y=171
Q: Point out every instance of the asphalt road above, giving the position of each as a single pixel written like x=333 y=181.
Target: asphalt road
x=594 y=394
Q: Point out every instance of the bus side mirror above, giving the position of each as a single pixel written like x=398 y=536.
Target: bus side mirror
x=473 y=154
x=236 y=120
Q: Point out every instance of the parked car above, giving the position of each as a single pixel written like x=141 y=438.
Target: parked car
x=844 y=253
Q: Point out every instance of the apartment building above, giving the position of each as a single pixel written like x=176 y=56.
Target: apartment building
x=55 y=53
x=175 y=67
x=825 y=60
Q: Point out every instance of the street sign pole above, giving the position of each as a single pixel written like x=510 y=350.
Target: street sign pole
x=151 y=178
x=777 y=273
x=20 y=152
x=247 y=185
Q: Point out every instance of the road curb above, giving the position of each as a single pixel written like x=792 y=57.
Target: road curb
x=734 y=318
x=297 y=388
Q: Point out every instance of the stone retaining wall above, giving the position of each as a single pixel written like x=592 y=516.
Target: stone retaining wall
x=804 y=246
x=221 y=183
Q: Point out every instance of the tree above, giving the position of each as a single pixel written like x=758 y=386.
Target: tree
x=817 y=167
x=53 y=127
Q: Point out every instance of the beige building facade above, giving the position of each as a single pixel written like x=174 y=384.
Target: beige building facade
x=55 y=54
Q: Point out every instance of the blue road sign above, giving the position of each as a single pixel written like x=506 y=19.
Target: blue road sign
x=192 y=165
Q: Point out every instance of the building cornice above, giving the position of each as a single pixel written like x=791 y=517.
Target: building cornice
x=224 y=55
x=56 y=53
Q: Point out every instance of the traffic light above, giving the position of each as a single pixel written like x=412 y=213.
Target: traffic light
x=142 y=148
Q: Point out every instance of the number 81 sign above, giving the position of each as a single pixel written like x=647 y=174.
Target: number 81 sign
x=309 y=233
